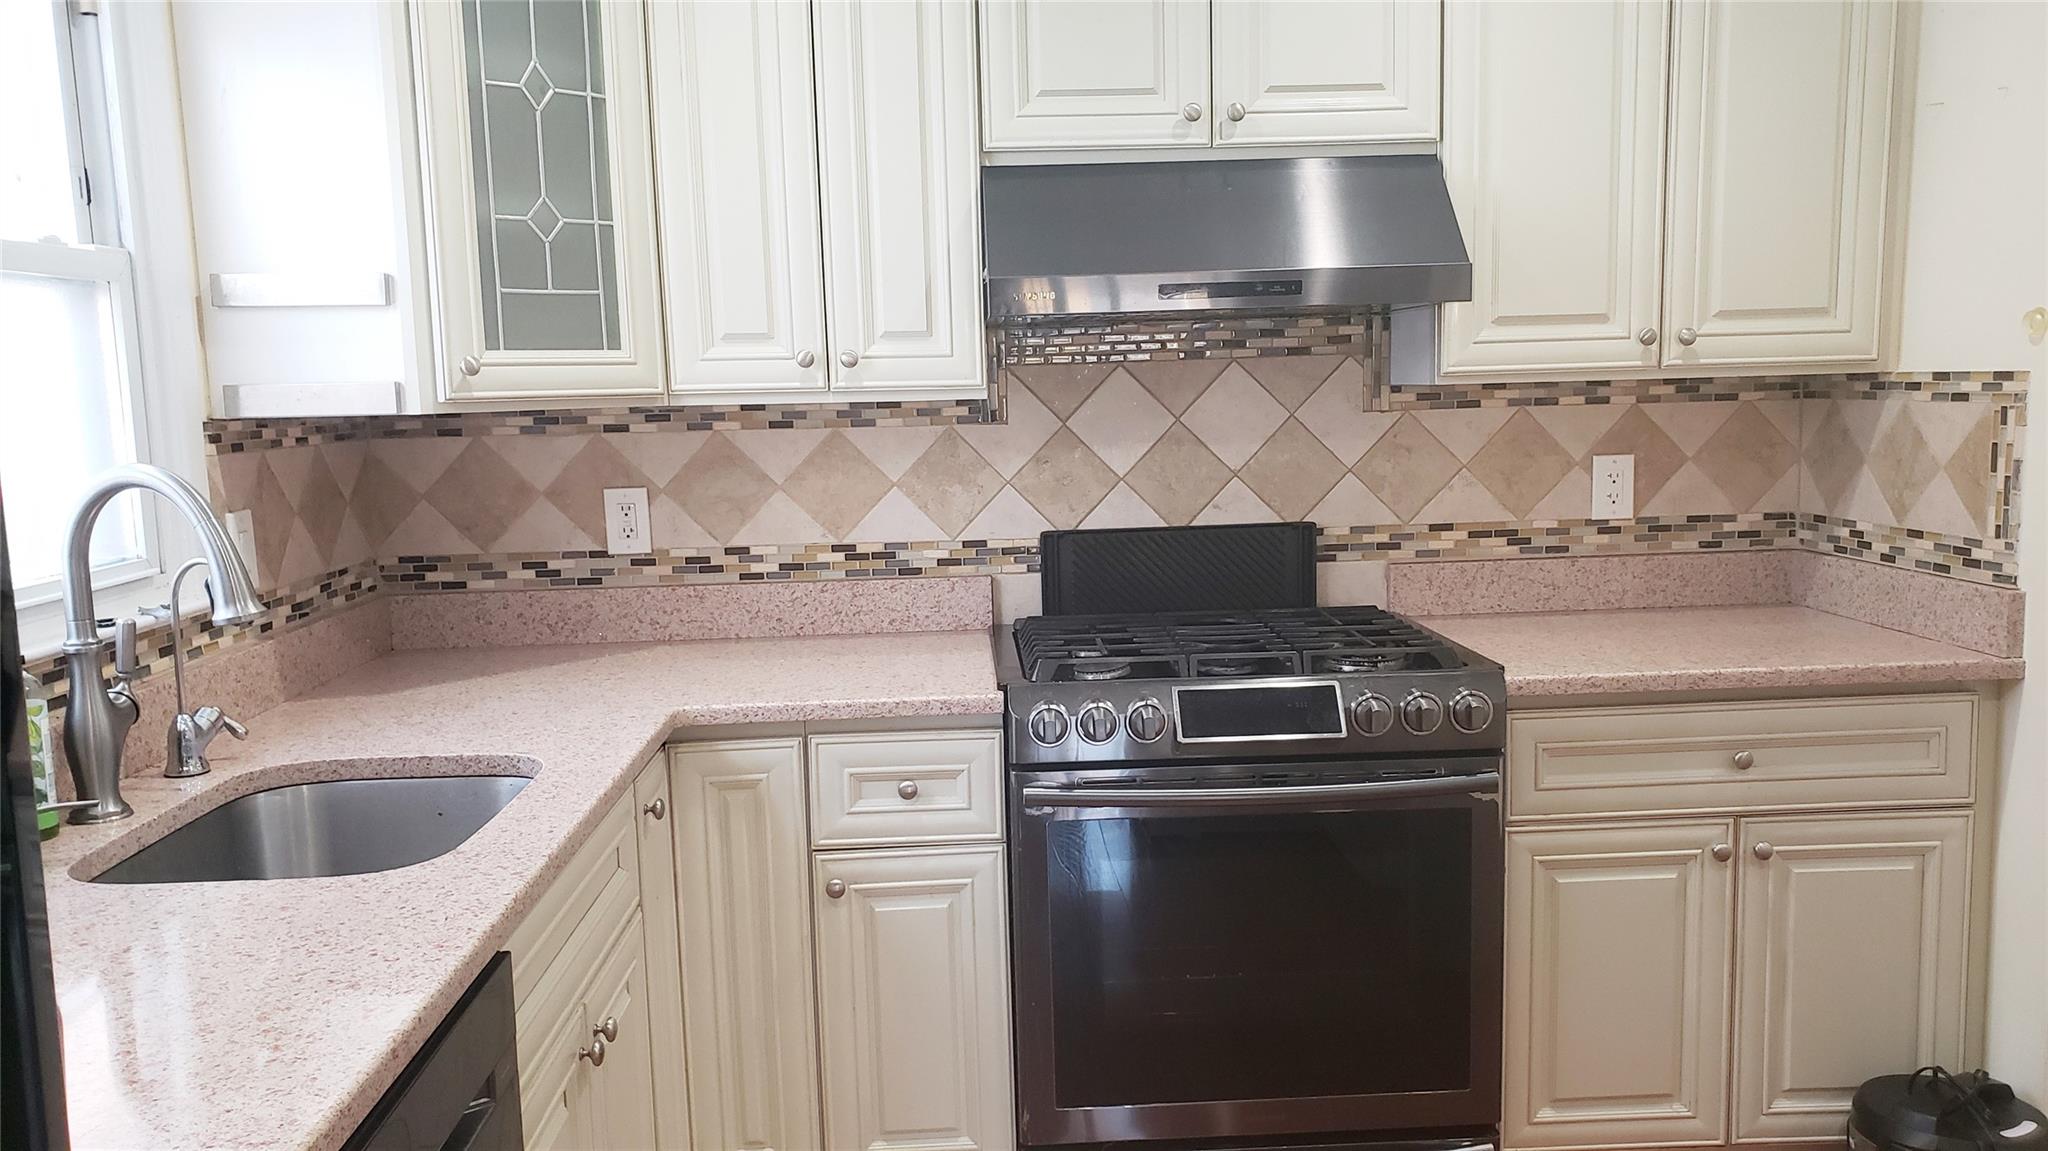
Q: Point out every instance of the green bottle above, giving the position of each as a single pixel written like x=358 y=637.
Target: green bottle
x=42 y=759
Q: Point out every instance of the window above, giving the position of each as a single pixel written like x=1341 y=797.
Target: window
x=73 y=395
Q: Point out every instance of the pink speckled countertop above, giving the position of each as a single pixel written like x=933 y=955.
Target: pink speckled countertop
x=273 y=1014
x=1709 y=649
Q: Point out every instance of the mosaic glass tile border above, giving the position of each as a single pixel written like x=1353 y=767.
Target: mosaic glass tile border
x=1085 y=340
x=1955 y=387
x=1934 y=552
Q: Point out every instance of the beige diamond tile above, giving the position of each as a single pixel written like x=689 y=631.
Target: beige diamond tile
x=1784 y=415
x=1688 y=493
x=302 y=558
x=579 y=490
x=481 y=494
x=239 y=473
x=543 y=528
x=539 y=459
x=836 y=485
x=1009 y=516
x=1866 y=417
x=721 y=488
x=1061 y=387
x=1008 y=446
x=291 y=467
x=1571 y=499
x=780 y=521
x=1463 y=500
x=896 y=520
x=1234 y=416
x=351 y=545
x=1236 y=504
x=1577 y=427
x=270 y=519
x=419 y=460
x=1946 y=425
x=657 y=455
x=1657 y=455
x=1464 y=430
x=1746 y=457
x=1179 y=476
x=672 y=526
x=321 y=506
x=1122 y=508
x=1902 y=465
x=1120 y=422
x=1064 y=480
x=777 y=451
x=425 y=532
x=1832 y=459
x=1690 y=423
x=1292 y=379
x=894 y=449
x=1406 y=468
x=1940 y=509
x=1336 y=414
x=345 y=460
x=1521 y=463
x=950 y=482
x=1293 y=472
x=1969 y=469
x=1177 y=383
x=1351 y=505
x=381 y=500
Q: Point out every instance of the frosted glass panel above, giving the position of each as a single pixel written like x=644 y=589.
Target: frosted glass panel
x=543 y=176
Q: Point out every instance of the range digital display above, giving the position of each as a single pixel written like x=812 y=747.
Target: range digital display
x=1292 y=711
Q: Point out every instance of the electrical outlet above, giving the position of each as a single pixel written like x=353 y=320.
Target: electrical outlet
x=625 y=521
x=1614 y=487
x=241 y=527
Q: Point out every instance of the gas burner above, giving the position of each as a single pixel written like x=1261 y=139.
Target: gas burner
x=1357 y=661
x=1229 y=667
x=1099 y=672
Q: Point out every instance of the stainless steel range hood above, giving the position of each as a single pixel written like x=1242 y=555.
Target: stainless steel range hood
x=1296 y=235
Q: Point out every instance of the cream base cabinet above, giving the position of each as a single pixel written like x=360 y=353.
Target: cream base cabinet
x=1617 y=975
x=1311 y=72
x=913 y=1001
x=1106 y=74
x=1774 y=243
x=1553 y=151
x=741 y=881
x=1852 y=949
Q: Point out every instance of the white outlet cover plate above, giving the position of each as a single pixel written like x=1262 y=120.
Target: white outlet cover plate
x=625 y=521
x=1614 y=487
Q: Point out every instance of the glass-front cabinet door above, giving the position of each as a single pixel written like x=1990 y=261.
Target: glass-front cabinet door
x=540 y=195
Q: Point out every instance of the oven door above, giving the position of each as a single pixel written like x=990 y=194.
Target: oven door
x=1252 y=952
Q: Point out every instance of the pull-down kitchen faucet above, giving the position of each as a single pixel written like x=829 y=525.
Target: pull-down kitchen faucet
x=100 y=713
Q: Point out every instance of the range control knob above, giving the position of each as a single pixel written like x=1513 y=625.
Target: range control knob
x=1422 y=712
x=1048 y=725
x=1372 y=714
x=1146 y=721
x=1097 y=722
x=1471 y=711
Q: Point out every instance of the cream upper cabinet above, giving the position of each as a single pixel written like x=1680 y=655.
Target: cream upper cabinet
x=1617 y=973
x=1104 y=74
x=541 y=197
x=1781 y=126
x=1553 y=151
x=902 y=194
x=1852 y=952
x=1312 y=72
x=913 y=998
x=736 y=144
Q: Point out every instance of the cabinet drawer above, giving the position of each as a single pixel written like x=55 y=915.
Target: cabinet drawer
x=607 y=869
x=893 y=788
x=1805 y=753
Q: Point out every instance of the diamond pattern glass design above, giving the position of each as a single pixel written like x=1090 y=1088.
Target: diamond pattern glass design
x=542 y=170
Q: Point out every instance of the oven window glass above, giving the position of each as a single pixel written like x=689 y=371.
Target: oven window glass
x=1260 y=956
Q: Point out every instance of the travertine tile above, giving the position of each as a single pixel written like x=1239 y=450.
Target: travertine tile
x=1061 y=387
x=578 y=492
x=1291 y=379
x=482 y=495
x=1746 y=457
x=1293 y=471
x=951 y=482
x=1064 y=480
x=1234 y=416
x=1832 y=458
x=1236 y=504
x=1122 y=508
x=1658 y=456
x=896 y=520
x=1464 y=430
x=1407 y=467
x=836 y=485
x=1336 y=414
x=1521 y=463
x=1008 y=446
x=721 y=488
x=320 y=506
x=1177 y=383
x=381 y=500
x=1179 y=476
x=1120 y=421
x=1902 y=464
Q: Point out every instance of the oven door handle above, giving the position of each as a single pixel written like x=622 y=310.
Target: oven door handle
x=1482 y=783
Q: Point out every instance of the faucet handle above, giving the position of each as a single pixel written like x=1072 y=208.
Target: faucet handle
x=125 y=664
x=211 y=720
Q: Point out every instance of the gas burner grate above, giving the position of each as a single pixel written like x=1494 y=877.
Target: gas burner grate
x=1305 y=641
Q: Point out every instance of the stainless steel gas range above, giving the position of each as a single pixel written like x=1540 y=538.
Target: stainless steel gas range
x=1255 y=880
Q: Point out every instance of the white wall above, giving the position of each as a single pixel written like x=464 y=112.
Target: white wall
x=1976 y=260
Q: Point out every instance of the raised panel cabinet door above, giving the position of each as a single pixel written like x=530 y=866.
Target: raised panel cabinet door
x=1617 y=976
x=1853 y=942
x=540 y=197
x=1553 y=151
x=654 y=811
x=1312 y=72
x=1104 y=74
x=902 y=195
x=913 y=998
x=743 y=887
x=622 y=1087
x=1781 y=120
x=736 y=147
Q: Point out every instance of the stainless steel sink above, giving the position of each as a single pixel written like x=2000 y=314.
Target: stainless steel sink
x=336 y=827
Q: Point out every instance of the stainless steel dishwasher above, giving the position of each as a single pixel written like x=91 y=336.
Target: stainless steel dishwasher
x=461 y=1092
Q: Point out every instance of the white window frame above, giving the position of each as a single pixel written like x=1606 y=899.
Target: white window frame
x=127 y=142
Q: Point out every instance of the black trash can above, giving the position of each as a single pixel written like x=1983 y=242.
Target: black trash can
x=1932 y=1110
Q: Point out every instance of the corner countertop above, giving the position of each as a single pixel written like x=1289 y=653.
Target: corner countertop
x=1570 y=653
x=273 y=1014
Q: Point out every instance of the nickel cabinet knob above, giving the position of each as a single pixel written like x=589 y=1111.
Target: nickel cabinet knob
x=1763 y=850
x=1722 y=852
x=1235 y=111
x=594 y=1053
x=805 y=359
x=658 y=809
x=470 y=365
x=1646 y=337
x=1686 y=336
x=907 y=789
x=835 y=889
x=1191 y=113
x=608 y=1030
x=848 y=359
x=1744 y=760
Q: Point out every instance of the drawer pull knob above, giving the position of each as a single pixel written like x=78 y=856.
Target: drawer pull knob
x=608 y=1030
x=658 y=809
x=594 y=1053
x=907 y=789
x=1723 y=853
x=1764 y=850
x=1744 y=760
x=835 y=888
